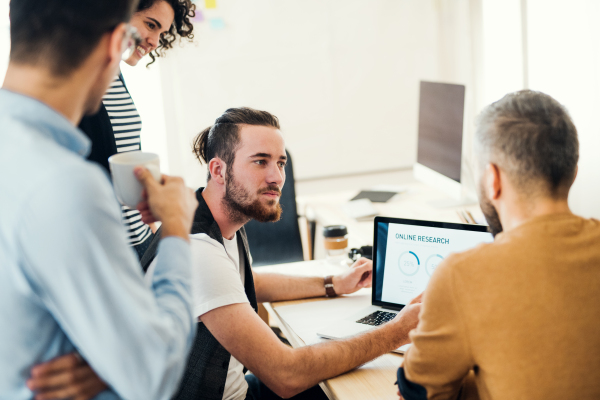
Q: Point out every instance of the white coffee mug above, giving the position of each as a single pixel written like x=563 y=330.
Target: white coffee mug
x=127 y=187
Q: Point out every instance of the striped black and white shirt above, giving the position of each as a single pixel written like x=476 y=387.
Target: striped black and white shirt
x=127 y=125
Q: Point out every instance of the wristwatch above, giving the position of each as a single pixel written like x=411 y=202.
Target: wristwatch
x=329 y=290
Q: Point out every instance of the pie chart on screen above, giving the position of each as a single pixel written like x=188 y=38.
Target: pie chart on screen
x=432 y=263
x=409 y=263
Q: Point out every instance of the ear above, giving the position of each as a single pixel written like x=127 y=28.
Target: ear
x=116 y=43
x=493 y=181
x=217 y=168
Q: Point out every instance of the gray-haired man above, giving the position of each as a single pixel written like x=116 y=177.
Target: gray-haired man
x=519 y=315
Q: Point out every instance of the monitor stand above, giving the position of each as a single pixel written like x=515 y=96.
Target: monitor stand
x=453 y=192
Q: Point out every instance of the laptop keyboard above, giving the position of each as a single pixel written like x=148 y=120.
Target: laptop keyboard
x=377 y=318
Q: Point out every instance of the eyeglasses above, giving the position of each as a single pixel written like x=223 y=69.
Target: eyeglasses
x=131 y=40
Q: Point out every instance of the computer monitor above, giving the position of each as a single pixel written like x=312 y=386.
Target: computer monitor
x=439 y=151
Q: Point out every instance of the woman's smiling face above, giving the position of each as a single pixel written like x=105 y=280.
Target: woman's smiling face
x=150 y=24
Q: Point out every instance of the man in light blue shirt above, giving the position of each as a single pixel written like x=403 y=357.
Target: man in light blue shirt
x=68 y=280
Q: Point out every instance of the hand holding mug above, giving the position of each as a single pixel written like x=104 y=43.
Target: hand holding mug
x=169 y=201
x=127 y=188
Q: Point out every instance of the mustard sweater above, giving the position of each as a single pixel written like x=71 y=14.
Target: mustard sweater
x=522 y=313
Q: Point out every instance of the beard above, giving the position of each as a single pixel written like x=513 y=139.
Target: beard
x=94 y=100
x=241 y=208
x=92 y=105
x=490 y=213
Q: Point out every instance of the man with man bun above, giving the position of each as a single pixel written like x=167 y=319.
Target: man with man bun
x=246 y=158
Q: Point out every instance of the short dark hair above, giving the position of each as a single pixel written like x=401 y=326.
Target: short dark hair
x=182 y=27
x=61 y=34
x=222 y=139
x=532 y=137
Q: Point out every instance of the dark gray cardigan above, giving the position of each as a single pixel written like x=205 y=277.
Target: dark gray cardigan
x=208 y=362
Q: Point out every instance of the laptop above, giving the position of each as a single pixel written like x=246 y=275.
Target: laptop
x=405 y=255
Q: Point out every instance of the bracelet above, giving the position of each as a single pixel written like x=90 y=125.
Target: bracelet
x=329 y=290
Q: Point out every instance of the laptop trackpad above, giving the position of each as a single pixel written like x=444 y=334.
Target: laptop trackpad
x=350 y=327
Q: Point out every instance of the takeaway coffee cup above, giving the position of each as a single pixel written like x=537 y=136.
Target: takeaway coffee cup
x=336 y=243
x=127 y=187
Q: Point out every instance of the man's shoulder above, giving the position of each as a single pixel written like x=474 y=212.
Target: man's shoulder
x=75 y=179
x=473 y=261
x=43 y=169
x=205 y=241
x=206 y=250
x=480 y=252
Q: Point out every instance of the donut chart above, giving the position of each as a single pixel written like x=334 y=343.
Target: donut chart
x=409 y=263
x=432 y=263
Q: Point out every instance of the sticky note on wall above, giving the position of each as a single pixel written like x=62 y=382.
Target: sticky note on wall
x=210 y=3
x=217 y=24
x=199 y=17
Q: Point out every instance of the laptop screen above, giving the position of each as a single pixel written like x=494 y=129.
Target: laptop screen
x=406 y=252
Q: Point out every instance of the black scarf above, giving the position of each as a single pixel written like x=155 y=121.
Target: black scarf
x=206 y=371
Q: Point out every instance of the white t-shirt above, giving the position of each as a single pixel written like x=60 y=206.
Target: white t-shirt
x=218 y=280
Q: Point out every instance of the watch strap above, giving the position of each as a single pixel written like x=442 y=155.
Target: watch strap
x=329 y=290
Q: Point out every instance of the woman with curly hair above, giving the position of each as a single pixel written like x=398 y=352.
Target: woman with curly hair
x=117 y=125
x=115 y=129
x=181 y=11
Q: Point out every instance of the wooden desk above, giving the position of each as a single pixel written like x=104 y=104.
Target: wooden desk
x=372 y=380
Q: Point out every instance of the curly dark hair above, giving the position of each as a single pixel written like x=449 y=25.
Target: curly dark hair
x=182 y=26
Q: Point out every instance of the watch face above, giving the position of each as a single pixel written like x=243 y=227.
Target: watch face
x=329 y=290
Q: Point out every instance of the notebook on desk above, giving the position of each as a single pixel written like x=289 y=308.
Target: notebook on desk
x=405 y=254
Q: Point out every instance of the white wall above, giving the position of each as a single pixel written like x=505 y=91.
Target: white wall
x=146 y=90
x=564 y=61
x=342 y=76
x=502 y=49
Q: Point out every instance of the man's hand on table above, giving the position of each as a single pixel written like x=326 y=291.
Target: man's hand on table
x=65 y=377
x=360 y=276
x=357 y=277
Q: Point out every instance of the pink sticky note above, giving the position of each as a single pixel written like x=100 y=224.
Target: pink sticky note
x=199 y=17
